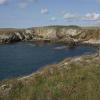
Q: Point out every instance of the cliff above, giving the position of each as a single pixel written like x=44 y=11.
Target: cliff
x=57 y=33
x=14 y=35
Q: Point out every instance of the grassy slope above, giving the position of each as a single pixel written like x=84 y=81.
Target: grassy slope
x=10 y=30
x=71 y=79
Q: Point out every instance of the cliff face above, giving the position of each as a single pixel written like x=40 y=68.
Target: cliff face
x=16 y=35
x=53 y=33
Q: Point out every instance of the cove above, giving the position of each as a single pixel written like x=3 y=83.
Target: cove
x=24 y=58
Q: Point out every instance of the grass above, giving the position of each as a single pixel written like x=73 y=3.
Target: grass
x=76 y=79
x=10 y=30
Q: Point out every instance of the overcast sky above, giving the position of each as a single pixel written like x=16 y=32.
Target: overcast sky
x=29 y=13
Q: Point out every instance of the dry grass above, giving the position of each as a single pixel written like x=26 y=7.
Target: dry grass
x=10 y=30
x=77 y=79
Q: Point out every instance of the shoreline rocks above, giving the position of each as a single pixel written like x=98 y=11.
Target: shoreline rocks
x=67 y=35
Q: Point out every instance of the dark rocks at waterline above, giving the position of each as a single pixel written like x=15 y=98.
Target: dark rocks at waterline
x=10 y=37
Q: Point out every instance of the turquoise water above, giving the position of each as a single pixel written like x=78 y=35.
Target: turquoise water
x=24 y=58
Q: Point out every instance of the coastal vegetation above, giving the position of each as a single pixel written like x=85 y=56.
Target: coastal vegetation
x=72 y=79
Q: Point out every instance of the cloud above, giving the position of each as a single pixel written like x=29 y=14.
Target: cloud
x=92 y=16
x=97 y=22
x=2 y=2
x=68 y=16
x=98 y=1
x=53 y=18
x=28 y=0
x=25 y=3
x=44 y=11
x=89 y=16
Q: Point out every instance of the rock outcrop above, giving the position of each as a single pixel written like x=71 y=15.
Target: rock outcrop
x=15 y=36
x=59 y=33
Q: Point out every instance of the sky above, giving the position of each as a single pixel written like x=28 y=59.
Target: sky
x=31 y=13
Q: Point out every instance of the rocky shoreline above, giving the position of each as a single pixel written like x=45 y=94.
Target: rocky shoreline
x=59 y=34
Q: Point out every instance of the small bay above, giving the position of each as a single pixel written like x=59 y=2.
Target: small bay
x=23 y=58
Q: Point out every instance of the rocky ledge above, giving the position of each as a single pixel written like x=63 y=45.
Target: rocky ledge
x=64 y=34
